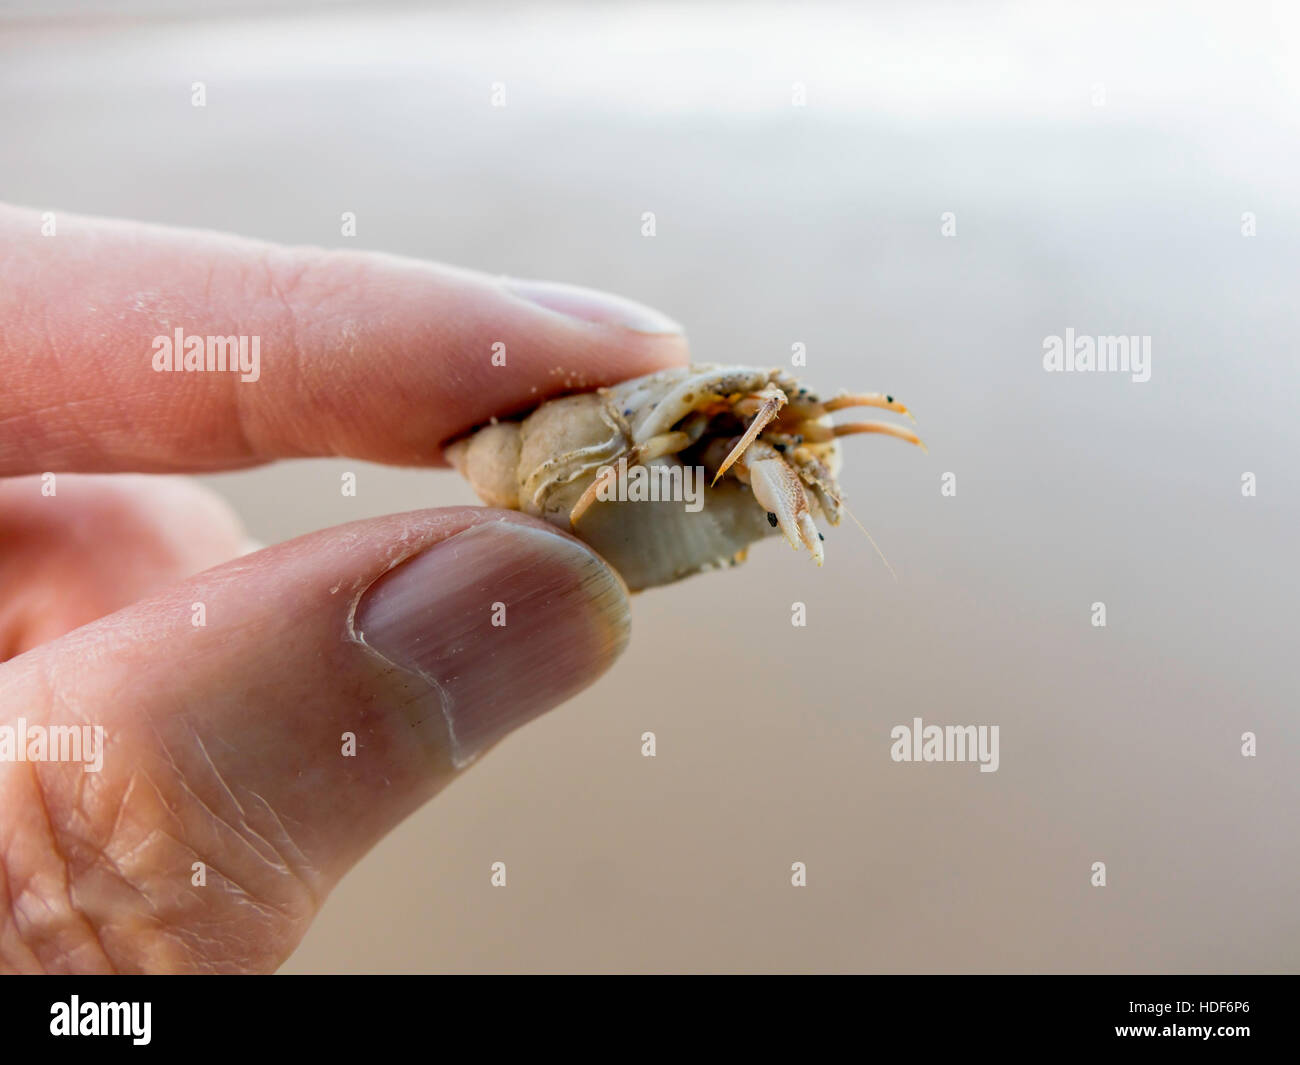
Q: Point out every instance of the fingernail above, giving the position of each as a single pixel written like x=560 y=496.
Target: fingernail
x=503 y=620
x=592 y=305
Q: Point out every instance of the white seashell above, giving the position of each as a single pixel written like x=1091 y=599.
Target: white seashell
x=737 y=453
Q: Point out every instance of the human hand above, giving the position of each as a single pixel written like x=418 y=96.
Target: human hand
x=223 y=744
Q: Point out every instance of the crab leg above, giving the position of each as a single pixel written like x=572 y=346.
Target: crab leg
x=866 y=399
x=655 y=447
x=813 y=473
x=813 y=433
x=771 y=400
x=778 y=491
x=880 y=427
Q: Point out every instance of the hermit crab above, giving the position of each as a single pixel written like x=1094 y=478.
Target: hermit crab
x=677 y=472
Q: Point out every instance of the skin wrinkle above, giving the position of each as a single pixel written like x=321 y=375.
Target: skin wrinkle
x=35 y=415
x=300 y=858
x=216 y=773
x=326 y=381
x=125 y=801
x=79 y=804
x=239 y=394
x=71 y=427
x=127 y=855
x=276 y=860
x=113 y=396
x=187 y=933
x=280 y=289
x=58 y=840
x=158 y=830
x=53 y=351
x=64 y=840
x=324 y=275
x=218 y=819
x=284 y=275
x=101 y=854
x=236 y=893
x=9 y=922
x=244 y=896
x=74 y=913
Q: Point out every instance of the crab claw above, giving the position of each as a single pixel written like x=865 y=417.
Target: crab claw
x=778 y=490
x=770 y=401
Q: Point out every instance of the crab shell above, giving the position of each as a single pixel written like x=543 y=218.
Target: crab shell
x=766 y=441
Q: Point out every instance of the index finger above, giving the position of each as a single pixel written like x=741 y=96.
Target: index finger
x=143 y=348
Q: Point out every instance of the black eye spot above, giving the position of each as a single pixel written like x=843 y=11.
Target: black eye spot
x=780 y=448
x=889 y=399
x=627 y=413
x=771 y=519
x=820 y=536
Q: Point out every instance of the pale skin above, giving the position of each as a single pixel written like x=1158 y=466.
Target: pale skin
x=226 y=752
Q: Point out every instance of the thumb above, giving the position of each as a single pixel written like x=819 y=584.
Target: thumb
x=266 y=723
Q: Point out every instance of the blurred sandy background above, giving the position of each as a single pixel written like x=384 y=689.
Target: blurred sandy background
x=819 y=225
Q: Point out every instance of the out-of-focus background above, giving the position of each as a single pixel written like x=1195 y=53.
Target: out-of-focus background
x=1099 y=161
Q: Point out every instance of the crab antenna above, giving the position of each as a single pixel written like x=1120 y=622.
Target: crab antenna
x=773 y=399
x=840 y=500
x=873 y=541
